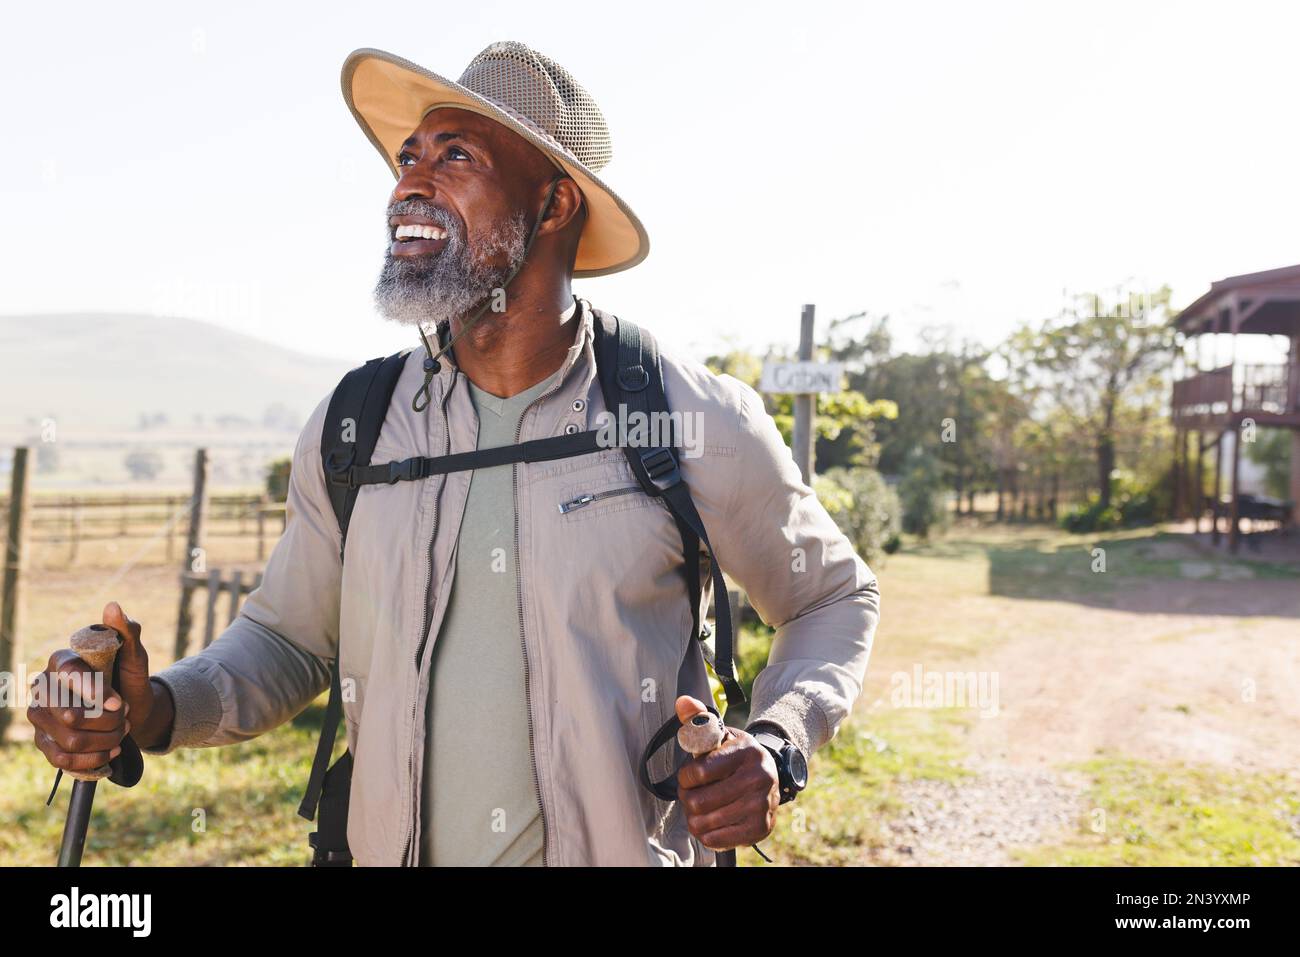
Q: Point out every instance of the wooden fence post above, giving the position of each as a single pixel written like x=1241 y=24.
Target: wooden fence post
x=74 y=532
x=193 y=551
x=236 y=585
x=805 y=405
x=15 y=561
x=214 y=589
x=1234 y=513
x=261 y=528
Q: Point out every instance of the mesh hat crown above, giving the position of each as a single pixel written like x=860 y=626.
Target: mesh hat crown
x=530 y=94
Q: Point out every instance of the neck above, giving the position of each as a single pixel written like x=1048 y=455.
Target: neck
x=505 y=353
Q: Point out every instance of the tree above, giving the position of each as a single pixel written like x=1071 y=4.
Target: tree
x=277 y=479
x=920 y=491
x=864 y=507
x=144 y=464
x=1273 y=451
x=1095 y=362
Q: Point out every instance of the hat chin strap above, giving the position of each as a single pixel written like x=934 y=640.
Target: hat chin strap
x=431 y=364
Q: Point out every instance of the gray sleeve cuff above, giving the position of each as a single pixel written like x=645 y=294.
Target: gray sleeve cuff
x=796 y=717
x=196 y=704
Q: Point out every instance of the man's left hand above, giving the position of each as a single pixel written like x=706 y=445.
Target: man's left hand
x=730 y=794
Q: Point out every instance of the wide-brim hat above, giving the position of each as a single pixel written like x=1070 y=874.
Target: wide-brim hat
x=529 y=94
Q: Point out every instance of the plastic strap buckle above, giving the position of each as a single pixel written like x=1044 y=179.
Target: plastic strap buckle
x=407 y=470
x=661 y=466
x=342 y=474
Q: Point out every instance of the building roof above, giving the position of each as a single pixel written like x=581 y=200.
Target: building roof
x=1259 y=303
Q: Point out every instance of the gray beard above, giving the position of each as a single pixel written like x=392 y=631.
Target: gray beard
x=451 y=284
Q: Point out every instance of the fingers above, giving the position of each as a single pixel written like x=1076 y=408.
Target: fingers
x=744 y=821
x=733 y=836
x=132 y=661
x=73 y=761
x=84 y=741
x=61 y=717
x=79 y=722
x=71 y=680
x=128 y=629
x=688 y=707
x=718 y=765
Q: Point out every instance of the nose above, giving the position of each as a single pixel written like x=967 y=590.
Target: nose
x=414 y=182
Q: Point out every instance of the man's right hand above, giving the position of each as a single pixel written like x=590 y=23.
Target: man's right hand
x=82 y=738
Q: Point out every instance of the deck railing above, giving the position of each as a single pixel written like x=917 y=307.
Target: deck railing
x=1204 y=395
x=1245 y=388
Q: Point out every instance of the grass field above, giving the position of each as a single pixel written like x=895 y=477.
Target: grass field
x=1145 y=714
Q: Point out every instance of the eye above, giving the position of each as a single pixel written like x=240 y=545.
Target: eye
x=453 y=152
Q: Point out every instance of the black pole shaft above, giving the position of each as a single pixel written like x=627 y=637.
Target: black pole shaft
x=74 y=829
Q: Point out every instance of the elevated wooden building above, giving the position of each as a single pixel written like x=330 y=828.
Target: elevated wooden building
x=1212 y=399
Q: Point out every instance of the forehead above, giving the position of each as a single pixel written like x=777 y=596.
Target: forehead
x=465 y=123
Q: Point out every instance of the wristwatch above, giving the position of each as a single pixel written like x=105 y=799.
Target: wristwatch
x=791 y=766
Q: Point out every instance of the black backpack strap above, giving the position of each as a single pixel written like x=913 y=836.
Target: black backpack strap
x=631 y=378
x=353 y=418
x=324 y=745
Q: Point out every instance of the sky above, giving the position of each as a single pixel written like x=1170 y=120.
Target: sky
x=953 y=165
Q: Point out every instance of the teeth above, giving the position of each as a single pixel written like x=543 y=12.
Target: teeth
x=418 y=231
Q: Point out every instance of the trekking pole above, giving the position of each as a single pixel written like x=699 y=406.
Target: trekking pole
x=97 y=646
x=702 y=735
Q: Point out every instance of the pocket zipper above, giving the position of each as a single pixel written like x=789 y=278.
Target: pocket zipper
x=589 y=497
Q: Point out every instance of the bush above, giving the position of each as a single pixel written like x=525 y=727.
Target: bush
x=1131 y=505
x=864 y=507
x=922 y=493
x=143 y=464
x=277 y=479
x=1091 y=517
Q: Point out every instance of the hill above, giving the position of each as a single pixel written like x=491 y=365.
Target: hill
x=93 y=372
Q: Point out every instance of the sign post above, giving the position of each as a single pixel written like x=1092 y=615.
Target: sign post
x=804 y=379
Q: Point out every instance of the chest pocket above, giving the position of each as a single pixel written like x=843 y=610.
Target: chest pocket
x=587 y=500
x=605 y=488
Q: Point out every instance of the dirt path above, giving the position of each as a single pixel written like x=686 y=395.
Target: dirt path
x=1185 y=670
x=1168 y=684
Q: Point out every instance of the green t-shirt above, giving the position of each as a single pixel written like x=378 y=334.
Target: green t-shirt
x=480 y=789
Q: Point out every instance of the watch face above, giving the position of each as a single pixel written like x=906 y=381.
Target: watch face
x=798 y=768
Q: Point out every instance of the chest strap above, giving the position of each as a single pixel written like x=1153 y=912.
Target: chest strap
x=422 y=466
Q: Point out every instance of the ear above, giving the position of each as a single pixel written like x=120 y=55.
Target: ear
x=567 y=205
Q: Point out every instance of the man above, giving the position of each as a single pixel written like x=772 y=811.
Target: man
x=510 y=638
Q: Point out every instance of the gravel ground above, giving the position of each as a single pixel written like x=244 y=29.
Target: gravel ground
x=979 y=821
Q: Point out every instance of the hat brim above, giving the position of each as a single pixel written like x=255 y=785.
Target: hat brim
x=390 y=96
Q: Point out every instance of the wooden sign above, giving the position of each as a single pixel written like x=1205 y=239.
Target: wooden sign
x=802 y=378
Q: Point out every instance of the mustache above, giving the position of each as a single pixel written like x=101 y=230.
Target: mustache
x=426 y=210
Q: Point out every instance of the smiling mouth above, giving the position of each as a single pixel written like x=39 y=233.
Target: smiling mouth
x=418 y=239
x=418 y=231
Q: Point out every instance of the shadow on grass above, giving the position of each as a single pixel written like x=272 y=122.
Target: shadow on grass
x=1156 y=573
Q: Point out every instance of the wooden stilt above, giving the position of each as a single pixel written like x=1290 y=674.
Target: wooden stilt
x=1234 y=512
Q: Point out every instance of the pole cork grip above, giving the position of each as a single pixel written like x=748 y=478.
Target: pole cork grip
x=701 y=734
x=97 y=646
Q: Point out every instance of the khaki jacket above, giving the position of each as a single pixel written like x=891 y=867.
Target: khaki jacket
x=604 y=616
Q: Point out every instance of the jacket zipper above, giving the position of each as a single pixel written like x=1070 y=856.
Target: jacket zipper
x=588 y=498
x=428 y=622
x=523 y=643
